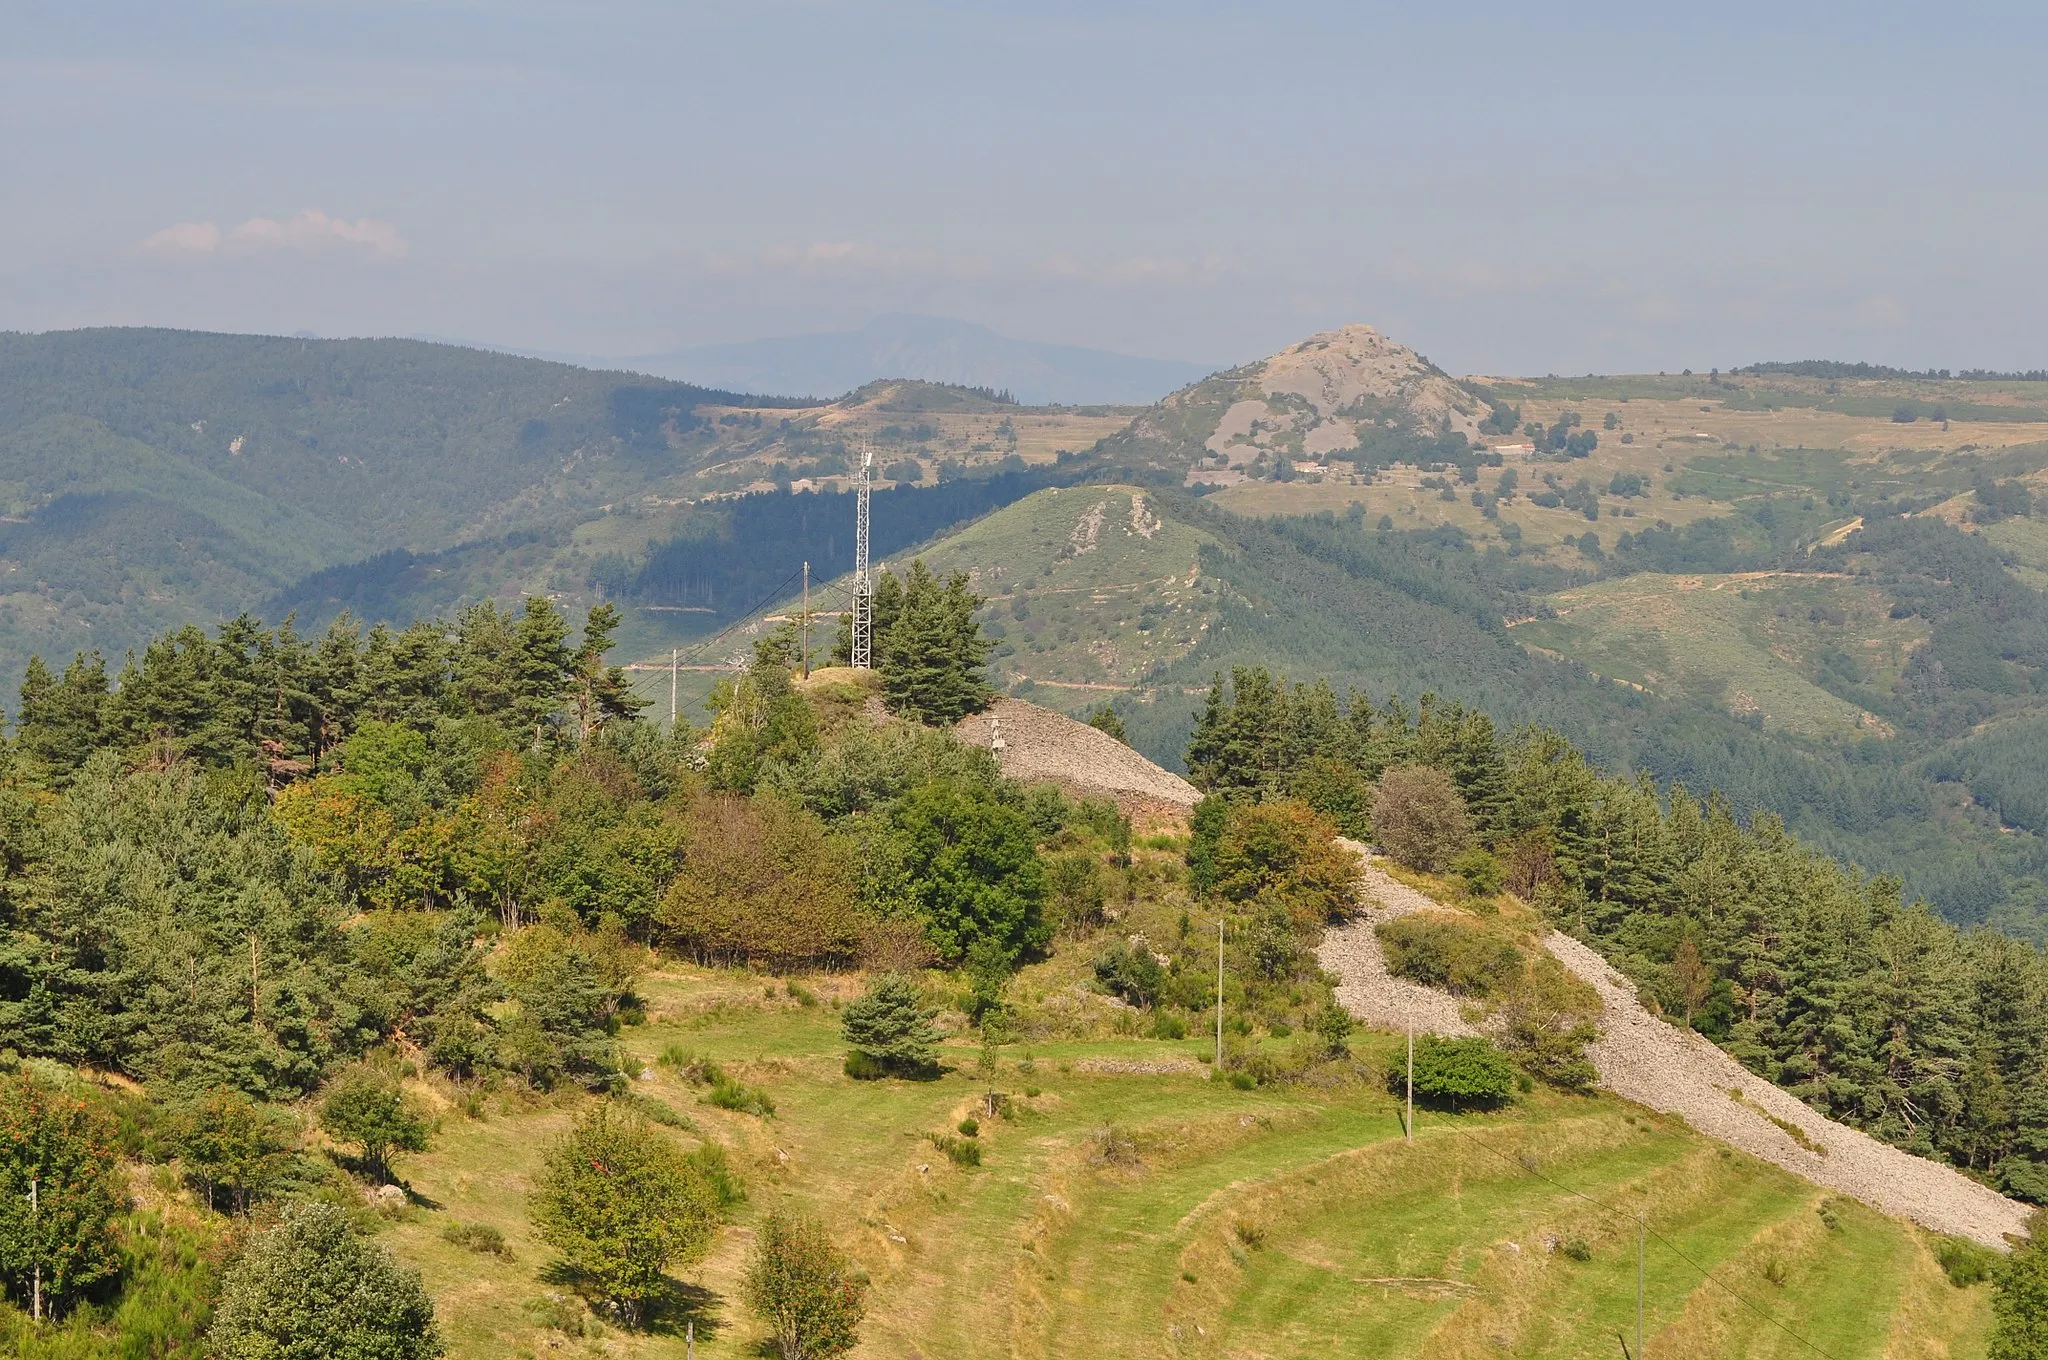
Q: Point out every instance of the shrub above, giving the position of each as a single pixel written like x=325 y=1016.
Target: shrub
x=312 y=1286
x=1965 y=1263
x=1166 y=1025
x=480 y=1238
x=1456 y=1073
x=1419 y=817
x=1575 y=1248
x=970 y=1127
x=2019 y=1301
x=961 y=1152
x=804 y=1288
x=891 y=1028
x=369 y=1110
x=1282 y=854
x=1448 y=950
x=1076 y=894
x=620 y=1202
x=710 y=1162
x=864 y=1066
x=729 y=1093
x=762 y=883
x=1546 y=1017
x=1130 y=972
x=1481 y=871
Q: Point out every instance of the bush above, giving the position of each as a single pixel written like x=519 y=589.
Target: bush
x=864 y=1066
x=890 y=1029
x=2019 y=1302
x=313 y=1287
x=1480 y=870
x=480 y=1238
x=1965 y=1263
x=1283 y=854
x=762 y=883
x=1166 y=1025
x=1445 y=949
x=1458 y=1073
x=729 y=1093
x=1419 y=817
x=710 y=1162
x=1575 y=1249
x=1546 y=1017
x=805 y=1289
x=621 y=1202
x=1131 y=973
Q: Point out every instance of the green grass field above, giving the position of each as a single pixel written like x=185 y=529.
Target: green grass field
x=1754 y=643
x=1285 y=1222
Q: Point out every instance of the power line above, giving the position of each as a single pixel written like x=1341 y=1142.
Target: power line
x=1643 y=1222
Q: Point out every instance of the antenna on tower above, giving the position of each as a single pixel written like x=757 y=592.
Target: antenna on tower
x=863 y=581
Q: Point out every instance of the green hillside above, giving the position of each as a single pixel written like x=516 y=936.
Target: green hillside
x=1286 y=1221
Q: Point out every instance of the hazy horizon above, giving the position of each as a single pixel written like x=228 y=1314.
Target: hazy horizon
x=1510 y=190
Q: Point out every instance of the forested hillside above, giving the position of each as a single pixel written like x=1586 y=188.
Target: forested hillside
x=416 y=958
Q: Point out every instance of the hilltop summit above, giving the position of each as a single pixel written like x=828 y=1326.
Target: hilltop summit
x=1331 y=395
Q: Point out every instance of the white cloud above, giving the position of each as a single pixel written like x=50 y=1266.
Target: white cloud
x=309 y=230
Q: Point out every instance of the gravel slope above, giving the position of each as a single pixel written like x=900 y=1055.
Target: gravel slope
x=1642 y=1058
x=1039 y=744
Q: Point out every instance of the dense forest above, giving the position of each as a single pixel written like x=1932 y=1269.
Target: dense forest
x=1819 y=978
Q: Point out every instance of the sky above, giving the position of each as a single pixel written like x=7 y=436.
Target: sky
x=1513 y=189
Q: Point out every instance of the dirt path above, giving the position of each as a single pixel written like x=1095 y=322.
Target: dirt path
x=1642 y=1058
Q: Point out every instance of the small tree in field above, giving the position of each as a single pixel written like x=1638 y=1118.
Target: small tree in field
x=622 y=1203
x=1419 y=817
x=2019 y=1302
x=804 y=1288
x=60 y=1189
x=313 y=1288
x=1456 y=1072
x=372 y=1111
x=890 y=1031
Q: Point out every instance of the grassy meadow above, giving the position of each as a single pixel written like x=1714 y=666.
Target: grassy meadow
x=1131 y=1207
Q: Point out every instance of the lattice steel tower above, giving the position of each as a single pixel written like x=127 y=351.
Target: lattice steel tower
x=863 y=580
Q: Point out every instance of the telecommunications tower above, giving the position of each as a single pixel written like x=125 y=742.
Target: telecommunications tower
x=863 y=582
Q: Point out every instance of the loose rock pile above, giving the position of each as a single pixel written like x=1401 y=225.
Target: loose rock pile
x=1643 y=1058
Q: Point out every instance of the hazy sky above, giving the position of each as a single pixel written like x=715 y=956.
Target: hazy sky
x=1510 y=188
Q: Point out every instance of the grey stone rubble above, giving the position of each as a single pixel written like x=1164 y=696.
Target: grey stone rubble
x=1643 y=1058
x=1039 y=744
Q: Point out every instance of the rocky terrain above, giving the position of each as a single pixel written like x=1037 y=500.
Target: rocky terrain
x=1643 y=1058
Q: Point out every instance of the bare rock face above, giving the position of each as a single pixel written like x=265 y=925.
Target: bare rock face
x=1316 y=399
x=1039 y=745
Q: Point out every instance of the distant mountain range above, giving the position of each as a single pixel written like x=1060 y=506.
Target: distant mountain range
x=935 y=349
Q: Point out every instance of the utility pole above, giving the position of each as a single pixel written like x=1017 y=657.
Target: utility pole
x=35 y=1212
x=1410 y=1127
x=863 y=583
x=807 y=621
x=1642 y=1232
x=1219 y=996
x=674 y=654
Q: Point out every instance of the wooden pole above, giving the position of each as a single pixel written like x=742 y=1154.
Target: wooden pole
x=674 y=654
x=807 y=621
x=1219 y=996
x=1412 y=1082
x=1642 y=1232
